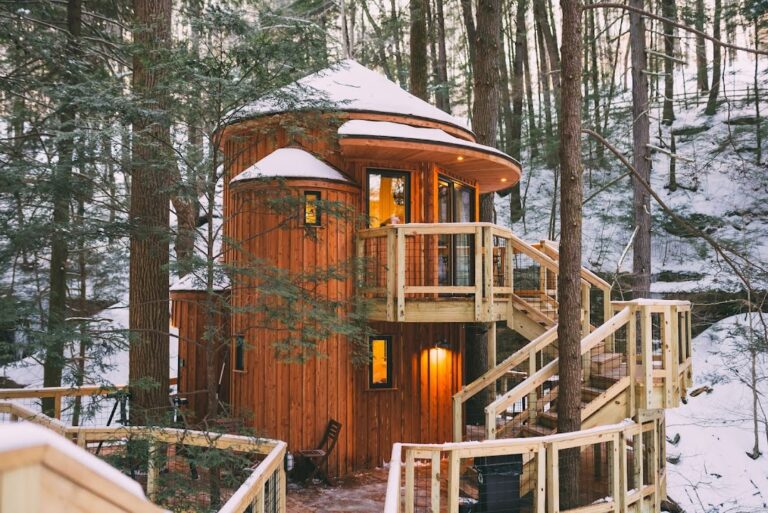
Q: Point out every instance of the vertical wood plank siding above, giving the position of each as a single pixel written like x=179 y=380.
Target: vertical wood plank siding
x=293 y=401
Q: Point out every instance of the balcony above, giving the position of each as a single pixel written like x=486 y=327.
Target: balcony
x=462 y=272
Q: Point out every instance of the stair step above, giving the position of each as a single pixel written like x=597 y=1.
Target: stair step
x=604 y=362
x=537 y=430
x=547 y=419
x=604 y=381
x=590 y=393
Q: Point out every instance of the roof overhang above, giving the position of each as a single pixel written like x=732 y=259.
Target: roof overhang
x=491 y=169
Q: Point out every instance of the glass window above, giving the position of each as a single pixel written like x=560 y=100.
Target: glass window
x=380 y=374
x=311 y=208
x=388 y=198
x=240 y=352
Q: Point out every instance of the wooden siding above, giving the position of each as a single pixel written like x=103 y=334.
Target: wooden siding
x=418 y=409
x=188 y=314
x=292 y=401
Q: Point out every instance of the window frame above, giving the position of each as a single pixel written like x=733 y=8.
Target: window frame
x=390 y=173
x=239 y=354
x=319 y=218
x=390 y=382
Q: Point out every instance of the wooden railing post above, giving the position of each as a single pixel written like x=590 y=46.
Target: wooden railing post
x=647 y=356
x=454 y=464
x=458 y=419
x=553 y=479
x=391 y=274
x=632 y=362
x=401 y=263
x=57 y=407
x=614 y=463
x=410 y=480
x=435 y=482
x=479 y=263
x=153 y=471
x=540 y=491
x=533 y=396
x=488 y=273
x=621 y=500
x=667 y=357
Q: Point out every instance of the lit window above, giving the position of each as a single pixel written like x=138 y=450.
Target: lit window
x=311 y=208
x=380 y=375
x=388 y=198
x=240 y=353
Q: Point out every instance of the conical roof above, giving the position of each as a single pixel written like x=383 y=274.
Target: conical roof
x=350 y=86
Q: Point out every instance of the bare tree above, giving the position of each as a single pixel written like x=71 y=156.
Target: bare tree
x=418 y=76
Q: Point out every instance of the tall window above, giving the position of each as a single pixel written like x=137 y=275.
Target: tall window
x=240 y=352
x=455 y=204
x=389 y=197
x=311 y=208
x=380 y=372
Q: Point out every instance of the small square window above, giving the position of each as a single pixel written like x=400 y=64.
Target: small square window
x=240 y=353
x=311 y=208
x=380 y=372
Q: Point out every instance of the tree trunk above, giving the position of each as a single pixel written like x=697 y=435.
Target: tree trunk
x=540 y=14
x=62 y=192
x=669 y=11
x=701 y=48
x=516 y=129
x=418 y=77
x=442 y=88
x=532 y=131
x=595 y=80
x=149 y=214
x=397 y=35
x=641 y=200
x=485 y=111
x=717 y=59
x=569 y=280
x=469 y=23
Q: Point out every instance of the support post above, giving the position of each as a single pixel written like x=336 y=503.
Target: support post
x=410 y=480
x=435 y=482
x=454 y=462
x=401 y=262
x=479 y=274
x=153 y=471
x=391 y=274
x=488 y=273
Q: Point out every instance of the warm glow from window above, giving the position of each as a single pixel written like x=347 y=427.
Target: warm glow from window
x=381 y=355
x=388 y=197
x=311 y=212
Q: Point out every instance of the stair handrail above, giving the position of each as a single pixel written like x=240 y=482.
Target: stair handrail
x=550 y=249
x=518 y=357
x=535 y=380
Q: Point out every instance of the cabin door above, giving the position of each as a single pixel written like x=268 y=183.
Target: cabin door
x=455 y=204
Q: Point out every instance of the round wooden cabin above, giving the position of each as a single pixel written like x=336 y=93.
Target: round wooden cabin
x=391 y=158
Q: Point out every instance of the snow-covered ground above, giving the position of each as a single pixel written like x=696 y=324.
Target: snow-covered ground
x=722 y=191
x=714 y=474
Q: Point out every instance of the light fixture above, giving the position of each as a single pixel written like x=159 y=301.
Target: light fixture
x=460 y=158
x=442 y=344
x=503 y=179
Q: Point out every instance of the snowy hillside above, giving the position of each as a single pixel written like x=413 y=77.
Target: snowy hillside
x=714 y=473
x=722 y=191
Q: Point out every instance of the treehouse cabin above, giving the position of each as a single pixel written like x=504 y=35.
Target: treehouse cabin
x=345 y=166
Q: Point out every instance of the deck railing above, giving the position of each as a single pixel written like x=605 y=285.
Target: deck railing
x=189 y=484
x=479 y=272
x=621 y=468
x=641 y=354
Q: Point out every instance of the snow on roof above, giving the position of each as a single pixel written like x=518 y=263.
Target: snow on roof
x=388 y=129
x=291 y=163
x=349 y=86
x=24 y=435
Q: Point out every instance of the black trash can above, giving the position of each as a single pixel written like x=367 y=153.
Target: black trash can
x=498 y=483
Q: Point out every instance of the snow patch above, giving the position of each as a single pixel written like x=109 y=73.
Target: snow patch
x=349 y=86
x=714 y=474
x=290 y=163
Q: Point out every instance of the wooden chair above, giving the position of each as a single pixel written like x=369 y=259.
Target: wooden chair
x=318 y=458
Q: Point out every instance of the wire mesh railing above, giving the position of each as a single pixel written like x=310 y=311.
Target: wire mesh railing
x=182 y=470
x=602 y=466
